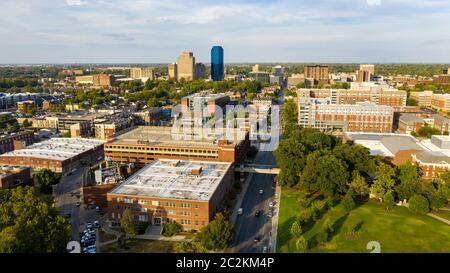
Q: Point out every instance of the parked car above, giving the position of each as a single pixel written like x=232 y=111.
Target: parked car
x=271 y=204
x=261 y=191
x=78 y=204
x=96 y=224
x=257 y=213
x=240 y=211
x=257 y=238
x=265 y=249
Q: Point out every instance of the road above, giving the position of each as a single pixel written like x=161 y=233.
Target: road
x=66 y=202
x=247 y=225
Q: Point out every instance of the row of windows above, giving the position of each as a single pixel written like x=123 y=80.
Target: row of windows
x=164 y=149
x=154 y=203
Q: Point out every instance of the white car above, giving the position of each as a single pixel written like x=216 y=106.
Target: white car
x=265 y=249
x=271 y=204
x=261 y=191
x=240 y=211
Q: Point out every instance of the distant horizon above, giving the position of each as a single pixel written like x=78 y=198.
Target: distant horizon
x=271 y=31
x=229 y=63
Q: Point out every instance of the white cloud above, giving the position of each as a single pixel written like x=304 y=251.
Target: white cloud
x=74 y=2
x=373 y=2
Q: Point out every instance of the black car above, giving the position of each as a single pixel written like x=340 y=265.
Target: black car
x=257 y=238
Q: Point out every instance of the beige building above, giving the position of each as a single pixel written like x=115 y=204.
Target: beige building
x=365 y=72
x=186 y=66
x=441 y=102
x=84 y=79
x=138 y=73
x=173 y=71
x=47 y=122
x=422 y=98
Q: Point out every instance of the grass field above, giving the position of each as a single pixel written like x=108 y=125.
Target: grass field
x=397 y=231
x=140 y=246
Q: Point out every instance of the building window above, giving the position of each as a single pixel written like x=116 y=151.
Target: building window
x=128 y=201
x=143 y=218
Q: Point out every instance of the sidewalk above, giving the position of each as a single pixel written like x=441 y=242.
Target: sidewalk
x=439 y=218
x=239 y=198
x=273 y=238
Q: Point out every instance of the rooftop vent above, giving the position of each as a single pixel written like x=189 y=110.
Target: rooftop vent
x=196 y=171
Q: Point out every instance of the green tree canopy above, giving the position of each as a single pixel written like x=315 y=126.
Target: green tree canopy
x=46 y=178
x=217 y=235
x=384 y=181
x=30 y=224
x=128 y=223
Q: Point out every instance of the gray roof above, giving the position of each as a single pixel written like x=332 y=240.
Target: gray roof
x=441 y=118
x=399 y=143
x=436 y=158
x=409 y=118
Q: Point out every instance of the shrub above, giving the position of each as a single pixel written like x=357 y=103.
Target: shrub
x=419 y=204
x=296 y=229
x=301 y=244
x=348 y=203
x=171 y=229
x=388 y=200
x=142 y=227
x=322 y=237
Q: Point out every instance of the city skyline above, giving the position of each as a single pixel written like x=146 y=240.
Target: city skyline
x=136 y=31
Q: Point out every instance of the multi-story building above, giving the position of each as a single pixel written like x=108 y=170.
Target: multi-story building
x=72 y=72
x=173 y=71
x=217 y=64
x=105 y=130
x=188 y=192
x=22 y=106
x=57 y=154
x=443 y=78
x=441 y=102
x=365 y=73
x=103 y=80
x=423 y=98
x=139 y=73
x=85 y=79
x=12 y=141
x=295 y=79
x=149 y=116
x=144 y=144
x=316 y=74
x=45 y=122
x=263 y=77
x=381 y=95
x=412 y=122
x=80 y=129
x=186 y=66
x=359 y=117
x=200 y=71
x=11 y=177
x=11 y=100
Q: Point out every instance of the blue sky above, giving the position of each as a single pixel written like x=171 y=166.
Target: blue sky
x=150 y=31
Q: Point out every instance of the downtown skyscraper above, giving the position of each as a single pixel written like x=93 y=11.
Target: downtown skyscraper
x=217 y=67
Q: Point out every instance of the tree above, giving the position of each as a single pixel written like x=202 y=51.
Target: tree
x=189 y=247
x=289 y=117
x=358 y=187
x=357 y=158
x=46 y=178
x=388 y=200
x=171 y=229
x=322 y=237
x=301 y=244
x=327 y=225
x=217 y=235
x=30 y=223
x=318 y=176
x=26 y=123
x=348 y=203
x=407 y=180
x=427 y=131
x=128 y=223
x=384 y=181
x=296 y=229
x=419 y=204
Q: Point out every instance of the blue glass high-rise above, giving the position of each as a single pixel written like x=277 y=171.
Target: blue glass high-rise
x=217 y=69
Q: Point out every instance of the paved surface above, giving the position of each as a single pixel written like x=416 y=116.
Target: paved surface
x=443 y=220
x=247 y=225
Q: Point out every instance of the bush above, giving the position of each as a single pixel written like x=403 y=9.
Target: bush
x=322 y=237
x=348 y=203
x=171 y=229
x=419 y=204
x=388 y=200
x=296 y=229
x=301 y=244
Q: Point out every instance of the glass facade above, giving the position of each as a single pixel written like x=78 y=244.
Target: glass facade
x=217 y=68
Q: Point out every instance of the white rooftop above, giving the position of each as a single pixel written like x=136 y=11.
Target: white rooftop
x=57 y=148
x=173 y=179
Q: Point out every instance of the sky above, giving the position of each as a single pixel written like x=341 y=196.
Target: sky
x=151 y=31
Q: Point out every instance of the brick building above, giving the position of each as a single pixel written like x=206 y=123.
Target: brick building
x=9 y=142
x=144 y=144
x=316 y=74
x=188 y=192
x=57 y=154
x=11 y=177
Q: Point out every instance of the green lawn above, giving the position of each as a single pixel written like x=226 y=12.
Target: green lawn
x=397 y=231
x=140 y=246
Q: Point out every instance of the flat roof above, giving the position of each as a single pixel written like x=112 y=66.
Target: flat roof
x=165 y=136
x=57 y=148
x=173 y=179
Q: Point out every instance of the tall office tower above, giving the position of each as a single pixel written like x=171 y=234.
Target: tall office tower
x=200 y=71
x=255 y=68
x=217 y=68
x=186 y=66
x=365 y=73
x=137 y=73
x=173 y=71
x=317 y=74
x=278 y=71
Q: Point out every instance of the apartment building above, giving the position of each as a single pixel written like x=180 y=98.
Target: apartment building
x=105 y=130
x=138 y=73
x=316 y=74
x=359 y=117
x=11 y=177
x=12 y=141
x=441 y=102
x=423 y=98
x=143 y=144
x=186 y=191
